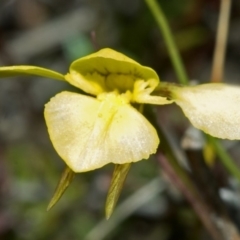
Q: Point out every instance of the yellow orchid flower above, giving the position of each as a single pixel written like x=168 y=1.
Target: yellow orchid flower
x=90 y=131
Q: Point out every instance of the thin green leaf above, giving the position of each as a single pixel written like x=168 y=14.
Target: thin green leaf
x=163 y=25
x=66 y=179
x=225 y=158
x=118 y=178
x=12 y=71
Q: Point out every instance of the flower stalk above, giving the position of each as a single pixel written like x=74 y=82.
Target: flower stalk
x=168 y=37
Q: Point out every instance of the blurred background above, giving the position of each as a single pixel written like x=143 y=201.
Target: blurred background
x=52 y=34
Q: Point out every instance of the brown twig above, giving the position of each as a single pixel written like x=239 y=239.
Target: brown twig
x=220 y=47
x=198 y=205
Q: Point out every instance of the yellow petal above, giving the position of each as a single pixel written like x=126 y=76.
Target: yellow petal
x=142 y=91
x=213 y=108
x=29 y=70
x=90 y=73
x=88 y=133
x=93 y=83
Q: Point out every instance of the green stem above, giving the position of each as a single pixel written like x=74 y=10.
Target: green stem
x=226 y=160
x=173 y=51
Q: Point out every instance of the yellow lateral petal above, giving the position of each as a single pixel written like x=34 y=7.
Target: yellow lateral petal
x=88 y=133
x=118 y=179
x=29 y=70
x=143 y=89
x=93 y=84
x=213 y=108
